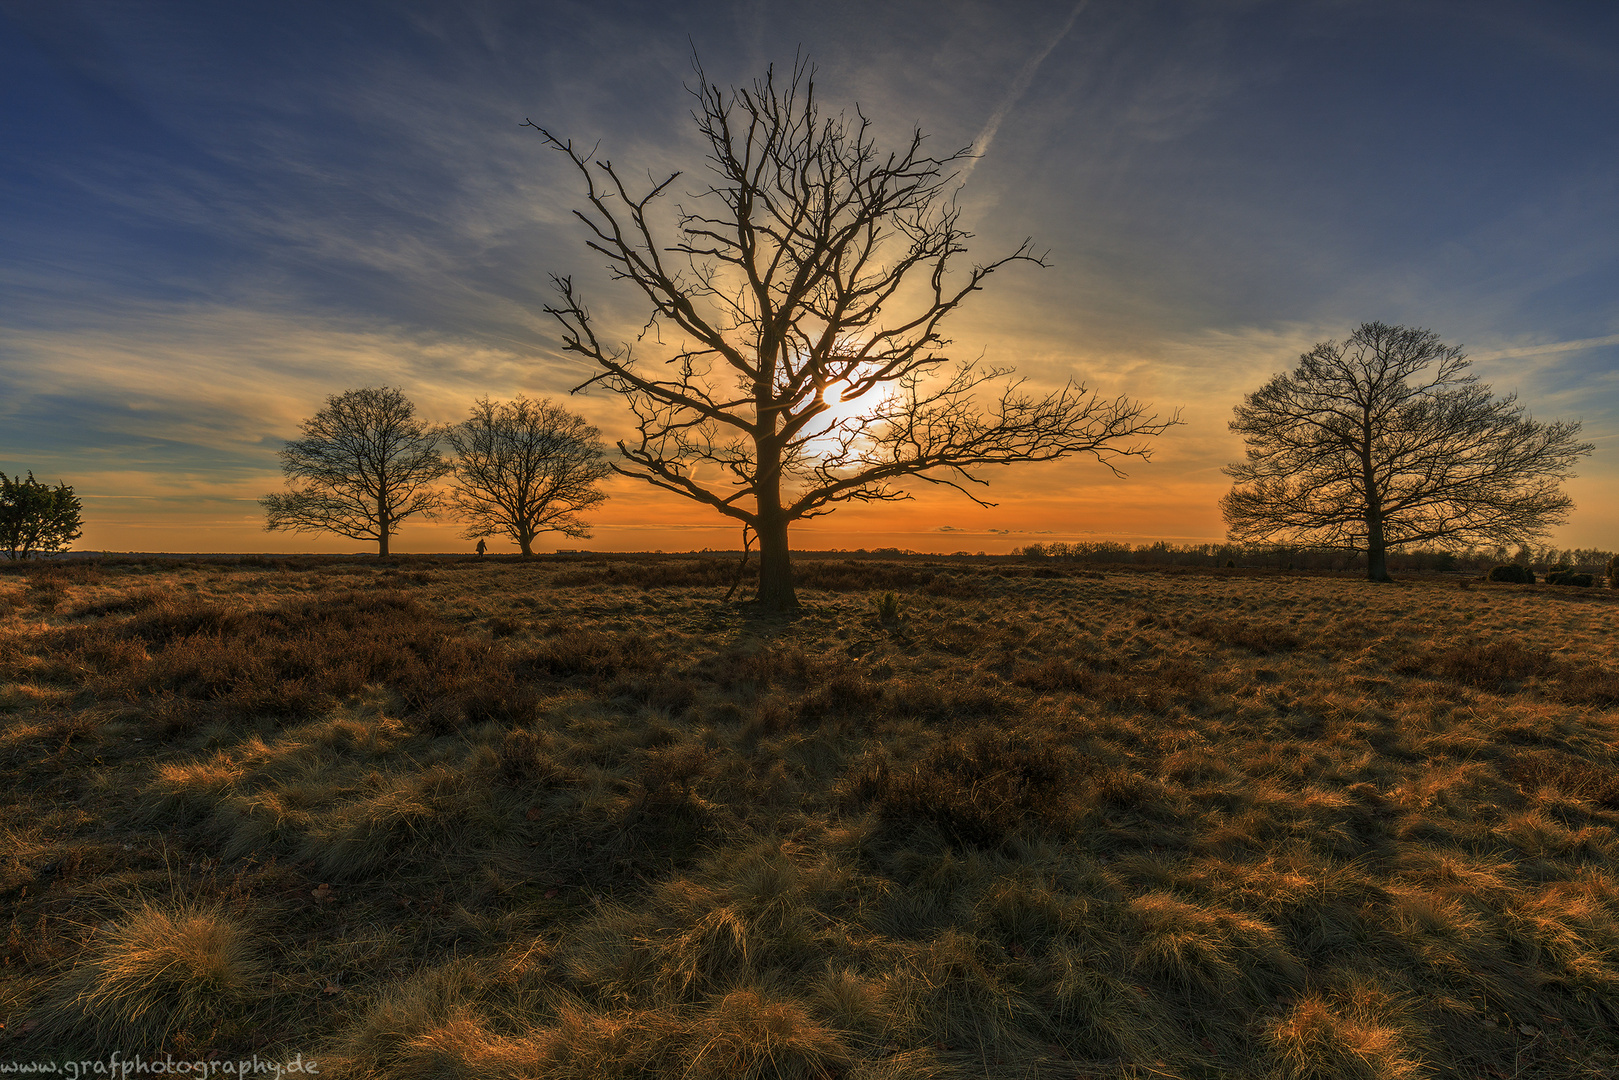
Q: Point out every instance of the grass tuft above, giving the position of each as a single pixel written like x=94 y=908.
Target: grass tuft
x=157 y=977
x=1347 y=1036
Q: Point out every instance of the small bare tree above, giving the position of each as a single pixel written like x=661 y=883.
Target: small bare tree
x=806 y=284
x=1384 y=441
x=525 y=467
x=365 y=463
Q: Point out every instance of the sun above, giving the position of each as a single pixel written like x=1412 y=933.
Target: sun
x=844 y=409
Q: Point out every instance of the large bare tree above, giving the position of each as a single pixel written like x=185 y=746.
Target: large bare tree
x=1385 y=440
x=525 y=467
x=364 y=464
x=803 y=289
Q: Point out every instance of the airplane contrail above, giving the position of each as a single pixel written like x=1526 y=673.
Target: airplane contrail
x=1019 y=87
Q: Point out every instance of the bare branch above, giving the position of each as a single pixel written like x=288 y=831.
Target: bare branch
x=777 y=286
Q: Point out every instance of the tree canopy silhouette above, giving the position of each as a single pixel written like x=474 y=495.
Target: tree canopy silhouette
x=1386 y=440
x=804 y=287
x=36 y=519
x=364 y=464
x=525 y=467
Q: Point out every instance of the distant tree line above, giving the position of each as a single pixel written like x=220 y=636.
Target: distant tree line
x=1303 y=557
x=365 y=463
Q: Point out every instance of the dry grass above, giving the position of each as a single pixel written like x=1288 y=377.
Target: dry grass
x=578 y=818
x=156 y=979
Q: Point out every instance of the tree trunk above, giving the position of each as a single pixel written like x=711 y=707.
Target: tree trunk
x=1377 y=568
x=382 y=525
x=775 y=566
x=525 y=543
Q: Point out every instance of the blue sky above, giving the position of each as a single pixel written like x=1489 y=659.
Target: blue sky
x=214 y=215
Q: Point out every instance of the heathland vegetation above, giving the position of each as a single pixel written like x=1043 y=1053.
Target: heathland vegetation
x=579 y=818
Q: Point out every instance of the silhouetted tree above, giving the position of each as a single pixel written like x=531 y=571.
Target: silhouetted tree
x=813 y=271
x=35 y=519
x=1385 y=440
x=525 y=467
x=365 y=464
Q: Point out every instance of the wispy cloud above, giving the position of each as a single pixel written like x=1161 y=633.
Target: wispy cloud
x=1546 y=348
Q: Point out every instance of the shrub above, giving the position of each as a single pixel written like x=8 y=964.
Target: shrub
x=1053 y=675
x=857 y=575
x=525 y=760
x=1263 y=638
x=842 y=693
x=1569 y=577
x=46 y=591
x=595 y=653
x=979 y=788
x=36 y=519
x=124 y=603
x=1613 y=572
x=888 y=608
x=1514 y=573
x=1492 y=664
x=294 y=660
x=1567 y=774
x=662 y=574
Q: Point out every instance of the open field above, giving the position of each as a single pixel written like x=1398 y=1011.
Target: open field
x=579 y=818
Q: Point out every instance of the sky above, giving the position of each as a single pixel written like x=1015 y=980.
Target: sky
x=213 y=216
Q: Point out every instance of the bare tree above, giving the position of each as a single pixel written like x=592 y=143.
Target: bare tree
x=365 y=463
x=1385 y=440
x=525 y=467
x=806 y=284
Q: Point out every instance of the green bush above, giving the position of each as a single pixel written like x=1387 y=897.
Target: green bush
x=35 y=519
x=1613 y=572
x=1569 y=577
x=1514 y=573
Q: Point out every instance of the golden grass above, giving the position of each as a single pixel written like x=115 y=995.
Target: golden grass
x=154 y=978
x=579 y=818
